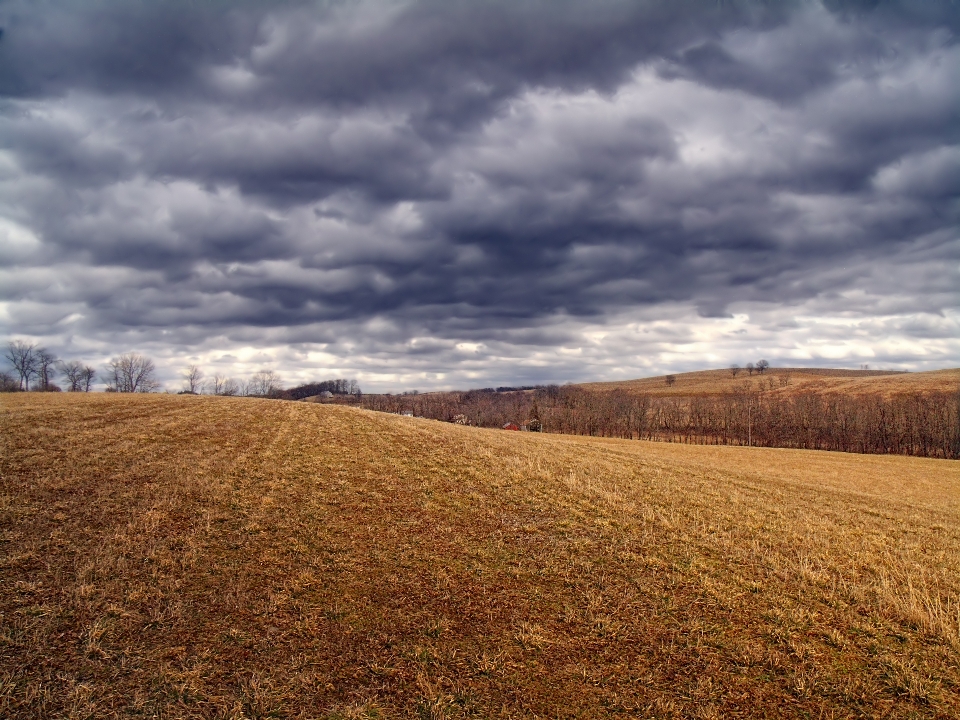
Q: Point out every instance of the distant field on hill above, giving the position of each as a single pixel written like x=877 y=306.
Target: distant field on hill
x=846 y=411
x=229 y=557
x=790 y=381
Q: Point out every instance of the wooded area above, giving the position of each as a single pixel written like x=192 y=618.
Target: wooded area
x=926 y=425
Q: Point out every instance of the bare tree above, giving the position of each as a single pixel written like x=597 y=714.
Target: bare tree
x=762 y=365
x=88 y=375
x=223 y=385
x=193 y=379
x=23 y=357
x=670 y=379
x=263 y=383
x=45 y=363
x=130 y=373
x=734 y=370
x=73 y=372
x=79 y=376
x=749 y=367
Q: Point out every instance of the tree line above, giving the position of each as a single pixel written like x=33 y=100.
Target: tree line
x=925 y=424
x=263 y=383
x=35 y=368
x=340 y=386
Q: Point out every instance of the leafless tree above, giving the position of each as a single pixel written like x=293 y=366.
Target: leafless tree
x=749 y=367
x=131 y=372
x=263 y=383
x=88 y=375
x=925 y=424
x=223 y=385
x=22 y=356
x=73 y=371
x=79 y=376
x=670 y=379
x=193 y=379
x=734 y=370
x=762 y=365
x=45 y=363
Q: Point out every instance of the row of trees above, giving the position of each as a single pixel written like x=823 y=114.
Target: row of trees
x=340 y=387
x=36 y=368
x=760 y=368
x=918 y=424
x=263 y=383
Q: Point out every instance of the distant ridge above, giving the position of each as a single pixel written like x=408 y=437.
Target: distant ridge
x=789 y=381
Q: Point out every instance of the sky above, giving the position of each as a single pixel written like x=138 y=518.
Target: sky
x=466 y=193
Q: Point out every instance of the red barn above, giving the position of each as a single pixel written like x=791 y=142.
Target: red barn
x=511 y=426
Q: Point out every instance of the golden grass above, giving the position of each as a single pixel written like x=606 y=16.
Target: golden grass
x=789 y=381
x=234 y=558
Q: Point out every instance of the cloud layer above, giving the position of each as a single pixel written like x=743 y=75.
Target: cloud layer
x=453 y=193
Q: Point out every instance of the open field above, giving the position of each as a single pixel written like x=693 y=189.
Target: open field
x=172 y=556
x=791 y=381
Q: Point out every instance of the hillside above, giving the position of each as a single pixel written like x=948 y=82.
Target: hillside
x=790 y=381
x=229 y=557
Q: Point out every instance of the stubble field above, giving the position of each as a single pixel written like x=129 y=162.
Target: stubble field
x=788 y=382
x=225 y=557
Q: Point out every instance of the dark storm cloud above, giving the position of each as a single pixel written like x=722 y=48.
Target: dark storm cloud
x=348 y=52
x=484 y=172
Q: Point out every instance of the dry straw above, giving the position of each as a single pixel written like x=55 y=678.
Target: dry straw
x=228 y=557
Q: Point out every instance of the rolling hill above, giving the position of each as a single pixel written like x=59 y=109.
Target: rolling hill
x=790 y=381
x=184 y=556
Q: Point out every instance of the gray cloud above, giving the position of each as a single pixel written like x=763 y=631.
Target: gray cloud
x=385 y=182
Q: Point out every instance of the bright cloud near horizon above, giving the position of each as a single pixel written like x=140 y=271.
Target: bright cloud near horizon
x=462 y=194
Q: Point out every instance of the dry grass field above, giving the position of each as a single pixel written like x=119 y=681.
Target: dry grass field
x=167 y=556
x=795 y=380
